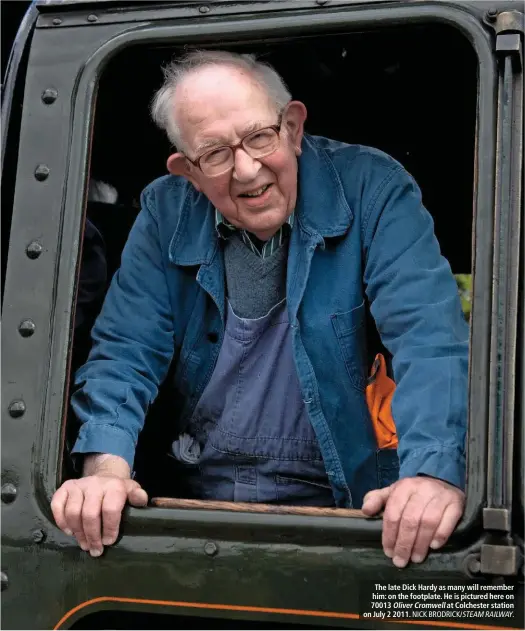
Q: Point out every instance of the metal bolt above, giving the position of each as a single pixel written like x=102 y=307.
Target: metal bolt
x=17 y=409
x=8 y=493
x=211 y=549
x=474 y=564
x=492 y=14
x=204 y=9
x=34 y=250
x=57 y=21
x=49 y=96
x=3 y=580
x=92 y=18
x=27 y=328
x=42 y=172
x=39 y=536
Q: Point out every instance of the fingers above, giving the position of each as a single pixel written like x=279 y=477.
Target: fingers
x=408 y=531
x=91 y=517
x=420 y=513
x=112 y=506
x=375 y=500
x=73 y=514
x=450 y=518
x=430 y=520
x=395 y=506
x=58 y=505
x=137 y=496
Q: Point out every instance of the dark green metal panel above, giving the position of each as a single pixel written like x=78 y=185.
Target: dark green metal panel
x=263 y=561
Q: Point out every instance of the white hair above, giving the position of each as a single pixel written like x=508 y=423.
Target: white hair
x=162 y=107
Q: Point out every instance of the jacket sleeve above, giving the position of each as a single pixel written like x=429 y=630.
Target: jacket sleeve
x=415 y=302
x=132 y=347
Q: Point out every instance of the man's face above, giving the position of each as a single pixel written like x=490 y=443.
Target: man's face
x=218 y=106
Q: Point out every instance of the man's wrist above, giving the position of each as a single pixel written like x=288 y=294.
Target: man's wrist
x=106 y=465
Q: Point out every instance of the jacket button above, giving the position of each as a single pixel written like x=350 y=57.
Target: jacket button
x=213 y=337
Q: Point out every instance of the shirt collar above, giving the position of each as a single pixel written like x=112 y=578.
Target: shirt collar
x=220 y=220
x=225 y=229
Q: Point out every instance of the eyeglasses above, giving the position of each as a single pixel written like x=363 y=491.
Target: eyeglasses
x=257 y=144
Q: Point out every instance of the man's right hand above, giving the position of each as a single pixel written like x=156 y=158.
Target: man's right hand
x=90 y=508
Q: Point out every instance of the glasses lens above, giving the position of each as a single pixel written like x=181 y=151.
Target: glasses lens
x=216 y=161
x=261 y=142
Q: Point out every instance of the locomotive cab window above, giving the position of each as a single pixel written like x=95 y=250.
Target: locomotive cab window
x=366 y=89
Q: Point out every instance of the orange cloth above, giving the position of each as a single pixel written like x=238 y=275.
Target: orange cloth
x=379 y=393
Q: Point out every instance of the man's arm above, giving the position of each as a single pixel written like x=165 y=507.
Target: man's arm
x=415 y=303
x=132 y=349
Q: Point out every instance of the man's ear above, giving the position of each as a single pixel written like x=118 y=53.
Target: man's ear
x=293 y=119
x=178 y=165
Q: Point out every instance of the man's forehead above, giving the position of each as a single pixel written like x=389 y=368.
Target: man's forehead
x=212 y=105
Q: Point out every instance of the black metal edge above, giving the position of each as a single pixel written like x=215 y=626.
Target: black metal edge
x=22 y=39
x=107 y=12
x=45 y=477
x=240 y=525
x=505 y=292
x=93 y=15
x=521 y=356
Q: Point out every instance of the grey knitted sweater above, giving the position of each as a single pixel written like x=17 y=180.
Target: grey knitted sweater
x=254 y=284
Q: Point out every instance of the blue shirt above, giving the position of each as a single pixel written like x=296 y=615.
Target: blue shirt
x=360 y=232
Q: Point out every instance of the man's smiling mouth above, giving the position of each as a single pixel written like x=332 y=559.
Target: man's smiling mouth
x=256 y=193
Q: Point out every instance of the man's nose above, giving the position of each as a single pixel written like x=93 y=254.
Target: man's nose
x=245 y=168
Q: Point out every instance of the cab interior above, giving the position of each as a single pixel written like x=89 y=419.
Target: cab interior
x=410 y=91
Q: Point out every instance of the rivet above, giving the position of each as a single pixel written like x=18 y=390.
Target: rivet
x=42 y=172
x=474 y=565
x=8 y=493
x=34 y=250
x=57 y=21
x=204 y=9
x=26 y=328
x=38 y=536
x=92 y=18
x=211 y=548
x=49 y=96
x=17 y=409
x=3 y=580
x=321 y=3
x=492 y=14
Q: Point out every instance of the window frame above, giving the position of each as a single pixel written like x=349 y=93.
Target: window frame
x=65 y=150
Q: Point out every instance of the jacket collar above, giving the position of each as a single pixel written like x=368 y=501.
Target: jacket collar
x=321 y=209
x=321 y=204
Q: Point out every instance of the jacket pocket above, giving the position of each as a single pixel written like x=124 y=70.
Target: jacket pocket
x=350 y=333
x=387 y=467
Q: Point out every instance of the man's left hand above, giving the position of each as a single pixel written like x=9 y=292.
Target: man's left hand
x=419 y=513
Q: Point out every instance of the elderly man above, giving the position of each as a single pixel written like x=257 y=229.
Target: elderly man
x=250 y=267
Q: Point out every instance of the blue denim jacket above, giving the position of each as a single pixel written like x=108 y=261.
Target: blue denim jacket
x=361 y=231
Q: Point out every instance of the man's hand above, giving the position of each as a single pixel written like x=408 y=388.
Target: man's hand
x=420 y=512
x=90 y=508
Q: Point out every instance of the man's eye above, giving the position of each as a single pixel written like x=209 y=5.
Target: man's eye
x=260 y=139
x=216 y=157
